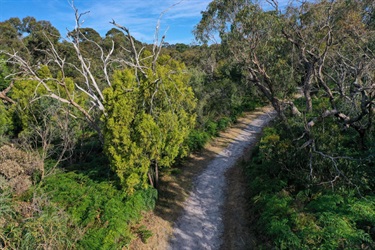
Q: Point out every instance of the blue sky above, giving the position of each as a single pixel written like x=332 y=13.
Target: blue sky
x=140 y=16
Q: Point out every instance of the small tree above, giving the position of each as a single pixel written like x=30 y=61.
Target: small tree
x=46 y=125
x=147 y=121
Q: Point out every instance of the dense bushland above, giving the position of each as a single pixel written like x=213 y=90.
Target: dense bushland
x=297 y=200
x=220 y=88
x=311 y=178
x=88 y=122
x=72 y=210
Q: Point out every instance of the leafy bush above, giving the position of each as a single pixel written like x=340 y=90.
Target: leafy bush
x=197 y=139
x=211 y=128
x=6 y=123
x=145 y=128
x=83 y=208
x=223 y=123
x=143 y=233
x=36 y=224
x=290 y=200
x=104 y=212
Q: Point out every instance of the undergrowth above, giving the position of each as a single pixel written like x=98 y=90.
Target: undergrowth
x=77 y=209
x=297 y=207
x=203 y=133
x=103 y=211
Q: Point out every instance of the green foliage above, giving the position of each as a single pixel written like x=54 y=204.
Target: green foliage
x=147 y=121
x=9 y=34
x=6 y=123
x=4 y=72
x=104 y=212
x=211 y=128
x=197 y=139
x=223 y=123
x=325 y=221
x=221 y=93
x=200 y=136
x=294 y=207
x=6 y=110
x=143 y=233
x=81 y=209
x=31 y=108
x=36 y=224
x=6 y=209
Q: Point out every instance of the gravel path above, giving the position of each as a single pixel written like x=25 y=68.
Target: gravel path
x=201 y=226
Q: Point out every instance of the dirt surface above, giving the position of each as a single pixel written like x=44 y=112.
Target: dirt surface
x=238 y=234
x=201 y=225
x=192 y=211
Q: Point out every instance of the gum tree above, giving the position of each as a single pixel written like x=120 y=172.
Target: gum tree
x=324 y=47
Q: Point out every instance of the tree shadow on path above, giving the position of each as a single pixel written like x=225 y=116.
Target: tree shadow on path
x=175 y=188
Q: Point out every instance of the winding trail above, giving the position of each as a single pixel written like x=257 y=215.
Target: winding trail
x=201 y=224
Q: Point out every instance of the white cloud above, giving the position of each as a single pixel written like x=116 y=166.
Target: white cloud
x=140 y=16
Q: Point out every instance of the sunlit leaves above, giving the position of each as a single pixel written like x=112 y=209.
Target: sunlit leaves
x=147 y=120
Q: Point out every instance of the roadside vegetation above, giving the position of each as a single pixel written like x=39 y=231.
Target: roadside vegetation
x=89 y=123
x=311 y=177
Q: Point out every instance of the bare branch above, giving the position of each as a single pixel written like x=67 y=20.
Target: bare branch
x=3 y=94
x=274 y=4
x=134 y=49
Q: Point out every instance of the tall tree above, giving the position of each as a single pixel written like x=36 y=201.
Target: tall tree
x=323 y=47
x=333 y=44
x=254 y=41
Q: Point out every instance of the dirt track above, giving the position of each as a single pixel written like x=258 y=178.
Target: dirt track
x=201 y=224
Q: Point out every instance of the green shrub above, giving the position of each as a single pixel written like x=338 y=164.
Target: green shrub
x=328 y=221
x=293 y=199
x=6 y=124
x=104 y=211
x=36 y=224
x=223 y=123
x=143 y=233
x=212 y=128
x=197 y=139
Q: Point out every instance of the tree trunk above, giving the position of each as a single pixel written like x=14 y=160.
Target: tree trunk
x=153 y=176
x=3 y=94
x=269 y=95
x=309 y=66
x=150 y=178
x=156 y=176
x=307 y=93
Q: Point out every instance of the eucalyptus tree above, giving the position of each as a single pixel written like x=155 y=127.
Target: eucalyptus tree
x=325 y=48
x=333 y=44
x=10 y=34
x=253 y=39
x=283 y=50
